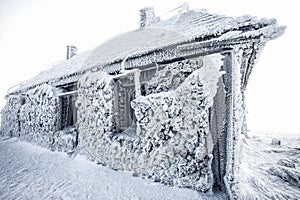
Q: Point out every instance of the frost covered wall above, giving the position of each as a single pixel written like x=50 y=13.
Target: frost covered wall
x=10 y=117
x=39 y=115
x=34 y=116
x=171 y=141
x=96 y=123
x=186 y=131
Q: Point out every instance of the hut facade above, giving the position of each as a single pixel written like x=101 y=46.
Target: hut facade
x=165 y=101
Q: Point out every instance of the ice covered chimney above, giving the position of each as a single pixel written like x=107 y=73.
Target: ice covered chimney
x=147 y=17
x=71 y=51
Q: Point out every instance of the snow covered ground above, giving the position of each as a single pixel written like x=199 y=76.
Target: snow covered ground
x=27 y=172
x=271 y=171
x=30 y=172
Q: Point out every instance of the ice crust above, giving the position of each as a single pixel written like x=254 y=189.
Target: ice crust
x=172 y=143
x=184 y=28
x=172 y=140
x=34 y=117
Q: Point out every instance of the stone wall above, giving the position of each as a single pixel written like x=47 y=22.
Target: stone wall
x=34 y=117
x=39 y=116
x=175 y=128
x=171 y=142
x=10 y=117
x=96 y=124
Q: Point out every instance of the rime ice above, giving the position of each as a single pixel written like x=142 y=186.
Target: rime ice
x=164 y=102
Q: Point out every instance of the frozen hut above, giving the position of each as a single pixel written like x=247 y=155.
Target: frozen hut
x=165 y=101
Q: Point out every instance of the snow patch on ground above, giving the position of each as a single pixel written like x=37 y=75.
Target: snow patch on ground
x=30 y=172
x=270 y=171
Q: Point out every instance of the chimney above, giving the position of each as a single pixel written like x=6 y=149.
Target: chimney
x=147 y=17
x=71 y=51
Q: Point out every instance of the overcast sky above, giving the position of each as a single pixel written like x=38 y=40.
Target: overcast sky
x=34 y=34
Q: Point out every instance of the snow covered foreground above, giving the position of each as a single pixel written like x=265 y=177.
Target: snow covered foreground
x=268 y=171
x=30 y=172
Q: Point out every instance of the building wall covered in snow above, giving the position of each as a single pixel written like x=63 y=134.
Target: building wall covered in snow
x=10 y=116
x=164 y=102
x=170 y=141
x=34 y=117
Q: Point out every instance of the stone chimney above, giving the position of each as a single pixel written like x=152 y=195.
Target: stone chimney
x=147 y=17
x=71 y=51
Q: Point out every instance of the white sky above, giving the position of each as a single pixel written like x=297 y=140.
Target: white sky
x=34 y=34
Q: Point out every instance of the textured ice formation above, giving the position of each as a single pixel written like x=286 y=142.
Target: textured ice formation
x=34 y=117
x=170 y=141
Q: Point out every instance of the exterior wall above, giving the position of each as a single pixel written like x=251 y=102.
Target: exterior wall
x=171 y=141
x=186 y=130
x=38 y=116
x=34 y=117
x=175 y=127
x=182 y=123
x=96 y=117
x=10 y=125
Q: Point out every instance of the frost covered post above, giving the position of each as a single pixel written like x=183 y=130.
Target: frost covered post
x=165 y=101
x=234 y=120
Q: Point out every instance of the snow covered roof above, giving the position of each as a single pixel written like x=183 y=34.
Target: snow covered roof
x=184 y=28
x=57 y=71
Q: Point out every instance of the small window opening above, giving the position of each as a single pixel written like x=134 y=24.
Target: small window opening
x=124 y=95
x=67 y=105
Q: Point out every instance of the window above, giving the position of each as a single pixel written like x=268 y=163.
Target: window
x=125 y=93
x=68 y=116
